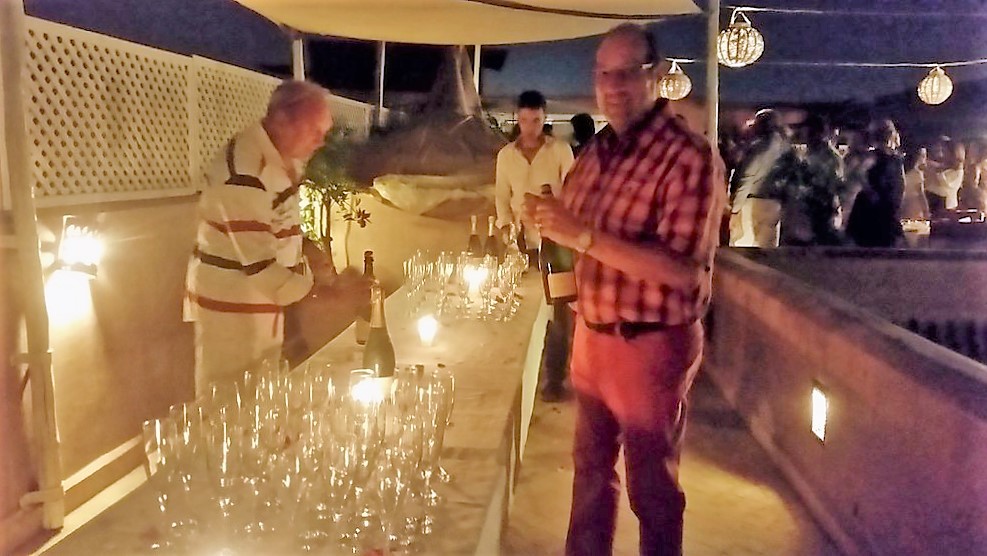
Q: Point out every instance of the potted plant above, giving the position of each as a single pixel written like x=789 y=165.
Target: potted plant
x=327 y=182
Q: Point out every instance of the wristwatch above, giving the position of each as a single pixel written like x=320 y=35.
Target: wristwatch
x=585 y=241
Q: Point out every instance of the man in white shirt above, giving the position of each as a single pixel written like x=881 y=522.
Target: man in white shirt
x=528 y=162
x=248 y=264
x=523 y=166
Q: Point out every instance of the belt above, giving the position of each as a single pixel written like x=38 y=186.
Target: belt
x=628 y=330
x=248 y=269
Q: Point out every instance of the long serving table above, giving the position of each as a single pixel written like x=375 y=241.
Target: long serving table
x=495 y=367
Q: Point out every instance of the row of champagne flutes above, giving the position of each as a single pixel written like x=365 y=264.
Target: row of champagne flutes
x=458 y=285
x=312 y=460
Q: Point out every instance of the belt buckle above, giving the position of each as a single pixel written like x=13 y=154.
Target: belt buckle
x=620 y=330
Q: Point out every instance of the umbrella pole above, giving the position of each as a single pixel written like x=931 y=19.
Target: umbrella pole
x=712 y=74
x=476 y=69
x=298 y=57
x=15 y=152
x=379 y=81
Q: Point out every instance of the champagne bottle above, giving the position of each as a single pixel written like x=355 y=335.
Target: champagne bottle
x=492 y=245
x=474 y=248
x=363 y=317
x=512 y=240
x=378 y=354
x=557 y=267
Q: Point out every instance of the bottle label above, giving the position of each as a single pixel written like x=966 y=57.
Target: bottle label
x=561 y=284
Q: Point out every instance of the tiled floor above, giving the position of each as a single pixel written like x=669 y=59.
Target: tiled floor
x=737 y=502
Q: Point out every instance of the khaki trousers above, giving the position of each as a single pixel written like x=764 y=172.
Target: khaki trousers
x=757 y=224
x=227 y=344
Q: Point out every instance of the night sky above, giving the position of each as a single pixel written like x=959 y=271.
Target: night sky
x=224 y=30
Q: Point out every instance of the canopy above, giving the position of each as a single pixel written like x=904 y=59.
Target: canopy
x=462 y=22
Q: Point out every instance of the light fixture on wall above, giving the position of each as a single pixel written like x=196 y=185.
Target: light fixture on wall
x=820 y=412
x=80 y=247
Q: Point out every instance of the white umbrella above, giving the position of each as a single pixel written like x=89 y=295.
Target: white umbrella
x=459 y=22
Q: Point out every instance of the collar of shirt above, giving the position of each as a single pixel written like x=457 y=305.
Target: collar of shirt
x=293 y=168
x=547 y=145
x=613 y=143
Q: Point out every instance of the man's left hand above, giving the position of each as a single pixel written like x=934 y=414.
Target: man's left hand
x=553 y=220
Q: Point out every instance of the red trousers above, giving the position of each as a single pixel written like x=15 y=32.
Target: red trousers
x=630 y=392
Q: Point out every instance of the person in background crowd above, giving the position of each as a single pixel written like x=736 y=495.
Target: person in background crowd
x=730 y=148
x=915 y=205
x=944 y=175
x=248 y=264
x=812 y=182
x=583 y=129
x=973 y=194
x=876 y=217
x=646 y=240
x=523 y=165
x=857 y=163
x=548 y=130
x=755 y=210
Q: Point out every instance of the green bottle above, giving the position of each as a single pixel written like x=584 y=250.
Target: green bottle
x=557 y=266
x=363 y=316
x=378 y=354
x=474 y=247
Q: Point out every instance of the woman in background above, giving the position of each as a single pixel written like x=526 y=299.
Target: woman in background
x=875 y=220
x=973 y=194
x=944 y=175
x=915 y=205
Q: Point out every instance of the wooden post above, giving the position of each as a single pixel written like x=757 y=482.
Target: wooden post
x=15 y=153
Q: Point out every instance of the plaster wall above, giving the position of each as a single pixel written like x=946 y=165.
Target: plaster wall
x=900 y=470
x=122 y=353
x=897 y=285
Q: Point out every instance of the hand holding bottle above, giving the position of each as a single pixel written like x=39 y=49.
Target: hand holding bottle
x=552 y=219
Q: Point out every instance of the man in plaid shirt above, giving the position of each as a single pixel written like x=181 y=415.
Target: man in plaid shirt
x=642 y=205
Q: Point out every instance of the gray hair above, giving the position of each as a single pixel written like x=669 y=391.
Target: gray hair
x=647 y=41
x=291 y=96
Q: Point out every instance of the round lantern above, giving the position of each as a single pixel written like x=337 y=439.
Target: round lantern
x=674 y=85
x=936 y=87
x=740 y=44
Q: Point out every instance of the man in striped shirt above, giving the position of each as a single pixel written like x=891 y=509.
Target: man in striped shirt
x=248 y=264
x=642 y=206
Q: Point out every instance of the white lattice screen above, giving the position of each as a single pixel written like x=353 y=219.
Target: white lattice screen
x=353 y=114
x=107 y=118
x=113 y=120
x=227 y=99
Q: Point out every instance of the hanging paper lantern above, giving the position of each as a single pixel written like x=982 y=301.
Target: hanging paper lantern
x=936 y=87
x=675 y=85
x=740 y=44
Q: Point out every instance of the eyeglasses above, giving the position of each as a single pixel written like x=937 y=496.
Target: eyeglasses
x=624 y=74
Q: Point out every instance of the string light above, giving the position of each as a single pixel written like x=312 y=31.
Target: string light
x=675 y=85
x=740 y=44
x=936 y=87
x=862 y=13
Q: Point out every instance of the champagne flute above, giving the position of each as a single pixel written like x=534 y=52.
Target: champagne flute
x=160 y=441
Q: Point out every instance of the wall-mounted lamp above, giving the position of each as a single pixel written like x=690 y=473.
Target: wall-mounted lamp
x=820 y=412
x=80 y=248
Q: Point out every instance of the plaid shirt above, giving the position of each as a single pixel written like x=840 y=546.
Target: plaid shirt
x=657 y=184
